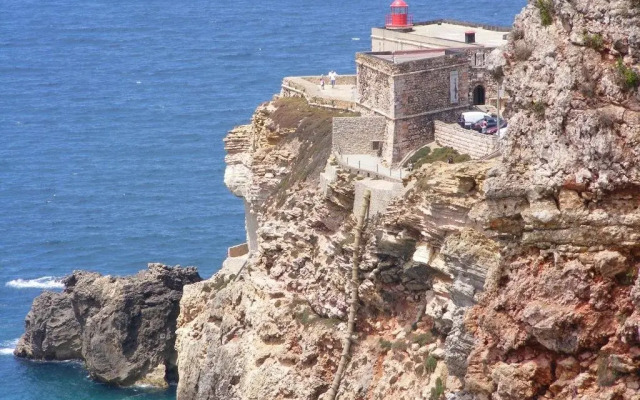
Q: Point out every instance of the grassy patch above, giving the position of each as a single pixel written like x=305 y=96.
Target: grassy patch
x=311 y=126
x=627 y=76
x=423 y=152
x=594 y=41
x=442 y=154
x=546 y=11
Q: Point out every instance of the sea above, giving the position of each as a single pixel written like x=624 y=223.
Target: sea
x=112 y=115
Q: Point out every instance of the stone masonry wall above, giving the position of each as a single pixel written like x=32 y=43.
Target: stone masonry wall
x=374 y=88
x=465 y=141
x=354 y=135
x=428 y=89
x=413 y=133
x=478 y=74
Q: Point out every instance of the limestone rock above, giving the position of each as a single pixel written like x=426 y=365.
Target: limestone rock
x=122 y=328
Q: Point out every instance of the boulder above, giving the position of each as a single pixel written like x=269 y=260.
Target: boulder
x=122 y=328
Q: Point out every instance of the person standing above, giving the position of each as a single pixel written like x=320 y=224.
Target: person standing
x=332 y=76
x=322 y=82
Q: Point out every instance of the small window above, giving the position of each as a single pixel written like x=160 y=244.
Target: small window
x=376 y=145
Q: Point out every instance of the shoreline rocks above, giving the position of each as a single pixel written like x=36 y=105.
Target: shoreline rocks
x=123 y=328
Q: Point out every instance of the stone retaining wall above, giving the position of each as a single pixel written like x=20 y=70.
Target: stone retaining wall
x=355 y=135
x=382 y=192
x=465 y=141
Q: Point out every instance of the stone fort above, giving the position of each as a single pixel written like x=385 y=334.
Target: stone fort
x=416 y=74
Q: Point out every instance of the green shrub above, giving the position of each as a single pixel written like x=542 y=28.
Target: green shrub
x=628 y=77
x=385 y=344
x=430 y=364
x=546 y=11
x=594 y=41
x=423 y=338
x=438 y=391
x=399 y=345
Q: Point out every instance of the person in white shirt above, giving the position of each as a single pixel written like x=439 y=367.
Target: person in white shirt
x=332 y=77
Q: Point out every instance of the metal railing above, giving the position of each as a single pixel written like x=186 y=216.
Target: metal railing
x=366 y=169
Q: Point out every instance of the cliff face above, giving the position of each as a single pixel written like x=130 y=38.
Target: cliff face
x=512 y=279
x=277 y=331
x=122 y=328
x=562 y=319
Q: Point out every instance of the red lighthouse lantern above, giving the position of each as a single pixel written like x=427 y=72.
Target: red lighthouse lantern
x=399 y=17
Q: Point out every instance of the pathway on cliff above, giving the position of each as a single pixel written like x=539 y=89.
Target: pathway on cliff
x=370 y=164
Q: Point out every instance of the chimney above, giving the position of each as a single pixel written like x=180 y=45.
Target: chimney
x=470 y=37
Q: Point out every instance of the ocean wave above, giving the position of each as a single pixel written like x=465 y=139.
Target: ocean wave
x=7 y=347
x=46 y=282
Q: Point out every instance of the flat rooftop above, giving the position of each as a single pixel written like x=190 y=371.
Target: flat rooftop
x=449 y=33
x=400 y=57
x=454 y=32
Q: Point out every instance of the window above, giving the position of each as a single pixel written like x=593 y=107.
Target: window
x=479 y=60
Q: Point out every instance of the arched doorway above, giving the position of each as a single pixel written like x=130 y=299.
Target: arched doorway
x=478 y=95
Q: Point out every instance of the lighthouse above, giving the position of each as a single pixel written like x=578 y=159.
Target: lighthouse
x=399 y=19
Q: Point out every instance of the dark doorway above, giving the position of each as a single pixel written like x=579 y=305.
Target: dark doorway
x=478 y=95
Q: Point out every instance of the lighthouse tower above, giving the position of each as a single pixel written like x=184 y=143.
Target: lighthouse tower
x=399 y=19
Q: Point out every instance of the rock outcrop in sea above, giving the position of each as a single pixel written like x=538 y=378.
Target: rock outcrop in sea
x=123 y=328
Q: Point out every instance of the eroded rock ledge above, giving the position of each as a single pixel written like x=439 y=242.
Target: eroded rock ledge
x=122 y=328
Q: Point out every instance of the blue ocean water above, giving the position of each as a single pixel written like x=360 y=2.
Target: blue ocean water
x=112 y=115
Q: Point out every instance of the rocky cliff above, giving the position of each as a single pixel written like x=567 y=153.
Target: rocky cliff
x=561 y=319
x=510 y=279
x=277 y=331
x=122 y=328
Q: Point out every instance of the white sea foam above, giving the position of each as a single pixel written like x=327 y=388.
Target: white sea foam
x=355 y=38
x=46 y=282
x=7 y=347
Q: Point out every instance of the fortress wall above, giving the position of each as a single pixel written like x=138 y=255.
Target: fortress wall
x=354 y=135
x=465 y=141
x=429 y=89
x=374 y=87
